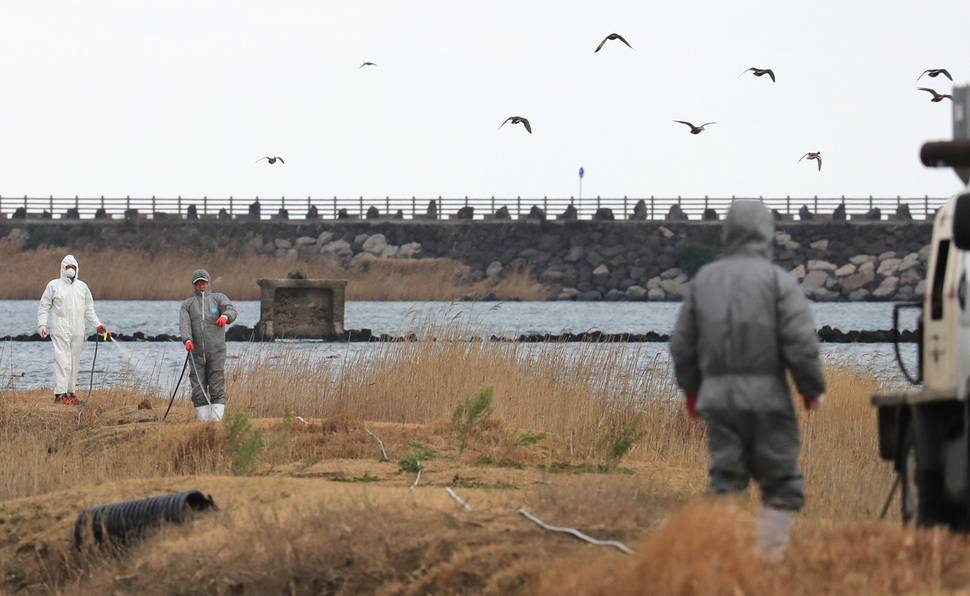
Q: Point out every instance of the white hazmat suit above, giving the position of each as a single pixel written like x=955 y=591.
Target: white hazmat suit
x=68 y=302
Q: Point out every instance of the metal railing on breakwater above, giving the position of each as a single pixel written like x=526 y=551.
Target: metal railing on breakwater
x=442 y=208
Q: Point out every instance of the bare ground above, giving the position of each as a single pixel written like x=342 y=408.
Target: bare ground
x=346 y=521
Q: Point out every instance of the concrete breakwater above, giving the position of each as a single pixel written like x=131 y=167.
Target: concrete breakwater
x=576 y=259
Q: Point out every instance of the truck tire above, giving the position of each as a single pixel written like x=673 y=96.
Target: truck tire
x=923 y=501
x=909 y=472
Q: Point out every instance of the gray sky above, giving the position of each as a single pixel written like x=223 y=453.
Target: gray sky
x=174 y=98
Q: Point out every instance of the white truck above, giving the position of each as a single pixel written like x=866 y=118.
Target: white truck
x=925 y=431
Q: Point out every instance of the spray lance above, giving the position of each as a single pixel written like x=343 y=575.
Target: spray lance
x=102 y=335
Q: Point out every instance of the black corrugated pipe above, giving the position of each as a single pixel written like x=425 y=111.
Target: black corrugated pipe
x=128 y=519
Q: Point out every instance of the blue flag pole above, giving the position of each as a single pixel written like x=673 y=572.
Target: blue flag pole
x=581 y=184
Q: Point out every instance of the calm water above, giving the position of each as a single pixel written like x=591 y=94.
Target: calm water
x=154 y=366
x=154 y=317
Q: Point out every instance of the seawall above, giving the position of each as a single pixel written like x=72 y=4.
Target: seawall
x=577 y=260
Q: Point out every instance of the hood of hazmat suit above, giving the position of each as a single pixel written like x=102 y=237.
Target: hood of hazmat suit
x=67 y=302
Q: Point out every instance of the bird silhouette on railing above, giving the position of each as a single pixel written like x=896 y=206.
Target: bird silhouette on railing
x=816 y=155
x=612 y=36
x=935 y=72
x=695 y=130
x=760 y=72
x=271 y=160
x=518 y=120
x=937 y=97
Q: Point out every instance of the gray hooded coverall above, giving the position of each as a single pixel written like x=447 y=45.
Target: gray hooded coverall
x=197 y=323
x=744 y=322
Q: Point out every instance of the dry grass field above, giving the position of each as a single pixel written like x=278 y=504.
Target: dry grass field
x=575 y=435
x=134 y=275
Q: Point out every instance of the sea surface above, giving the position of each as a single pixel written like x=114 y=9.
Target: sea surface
x=154 y=367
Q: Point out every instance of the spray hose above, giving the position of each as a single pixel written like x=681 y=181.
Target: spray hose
x=175 y=391
x=91 y=385
x=93 y=361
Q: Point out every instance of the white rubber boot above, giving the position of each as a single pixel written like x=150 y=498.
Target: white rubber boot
x=773 y=531
x=204 y=413
x=217 y=411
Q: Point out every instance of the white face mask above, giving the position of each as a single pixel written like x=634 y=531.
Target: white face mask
x=71 y=273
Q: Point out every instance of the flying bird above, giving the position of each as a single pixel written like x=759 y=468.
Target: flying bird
x=271 y=160
x=517 y=120
x=937 y=97
x=366 y=64
x=695 y=130
x=612 y=36
x=935 y=72
x=816 y=155
x=758 y=72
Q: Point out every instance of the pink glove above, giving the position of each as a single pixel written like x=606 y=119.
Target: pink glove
x=691 y=403
x=189 y=346
x=221 y=321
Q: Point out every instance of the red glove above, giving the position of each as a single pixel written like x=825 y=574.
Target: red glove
x=691 y=403
x=221 y=321
x=813 y=403
x=189 y=346
x=102 y=331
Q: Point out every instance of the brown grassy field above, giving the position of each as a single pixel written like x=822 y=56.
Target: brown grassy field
x=325 y=512
x=133 y=275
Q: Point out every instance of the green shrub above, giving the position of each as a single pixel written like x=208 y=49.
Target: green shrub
x=411 y=463
x=618 y=443
x=693 y=253
x=245 y=442
x=469 y=412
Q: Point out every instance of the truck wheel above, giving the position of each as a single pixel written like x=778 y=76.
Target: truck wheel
x=923 y=503
x=909 y=474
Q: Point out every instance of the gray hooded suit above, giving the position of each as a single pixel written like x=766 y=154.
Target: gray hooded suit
x=197 y=322
x=744 y=322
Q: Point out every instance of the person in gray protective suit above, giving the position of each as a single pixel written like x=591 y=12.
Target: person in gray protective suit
x=202 y=323
x=744 y=322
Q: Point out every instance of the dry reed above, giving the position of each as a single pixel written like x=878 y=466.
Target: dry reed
x=136 y=275
x=406 y=392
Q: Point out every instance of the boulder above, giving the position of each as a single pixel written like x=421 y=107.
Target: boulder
x=886 y=289
x=814 y=281
x=639 y=211
x=676 y=213
x=575 y=254
x=845 y=270
x=857 y=280
x=889 y=267
x=374 y=244
x=409 y=250
x=819 y=265
x=569 y=214
x=636 y=293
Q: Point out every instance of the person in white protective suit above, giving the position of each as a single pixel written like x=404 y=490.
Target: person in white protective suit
x=67 y=302
x=743 y=324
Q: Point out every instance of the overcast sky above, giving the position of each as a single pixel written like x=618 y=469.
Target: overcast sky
x=174 y=98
